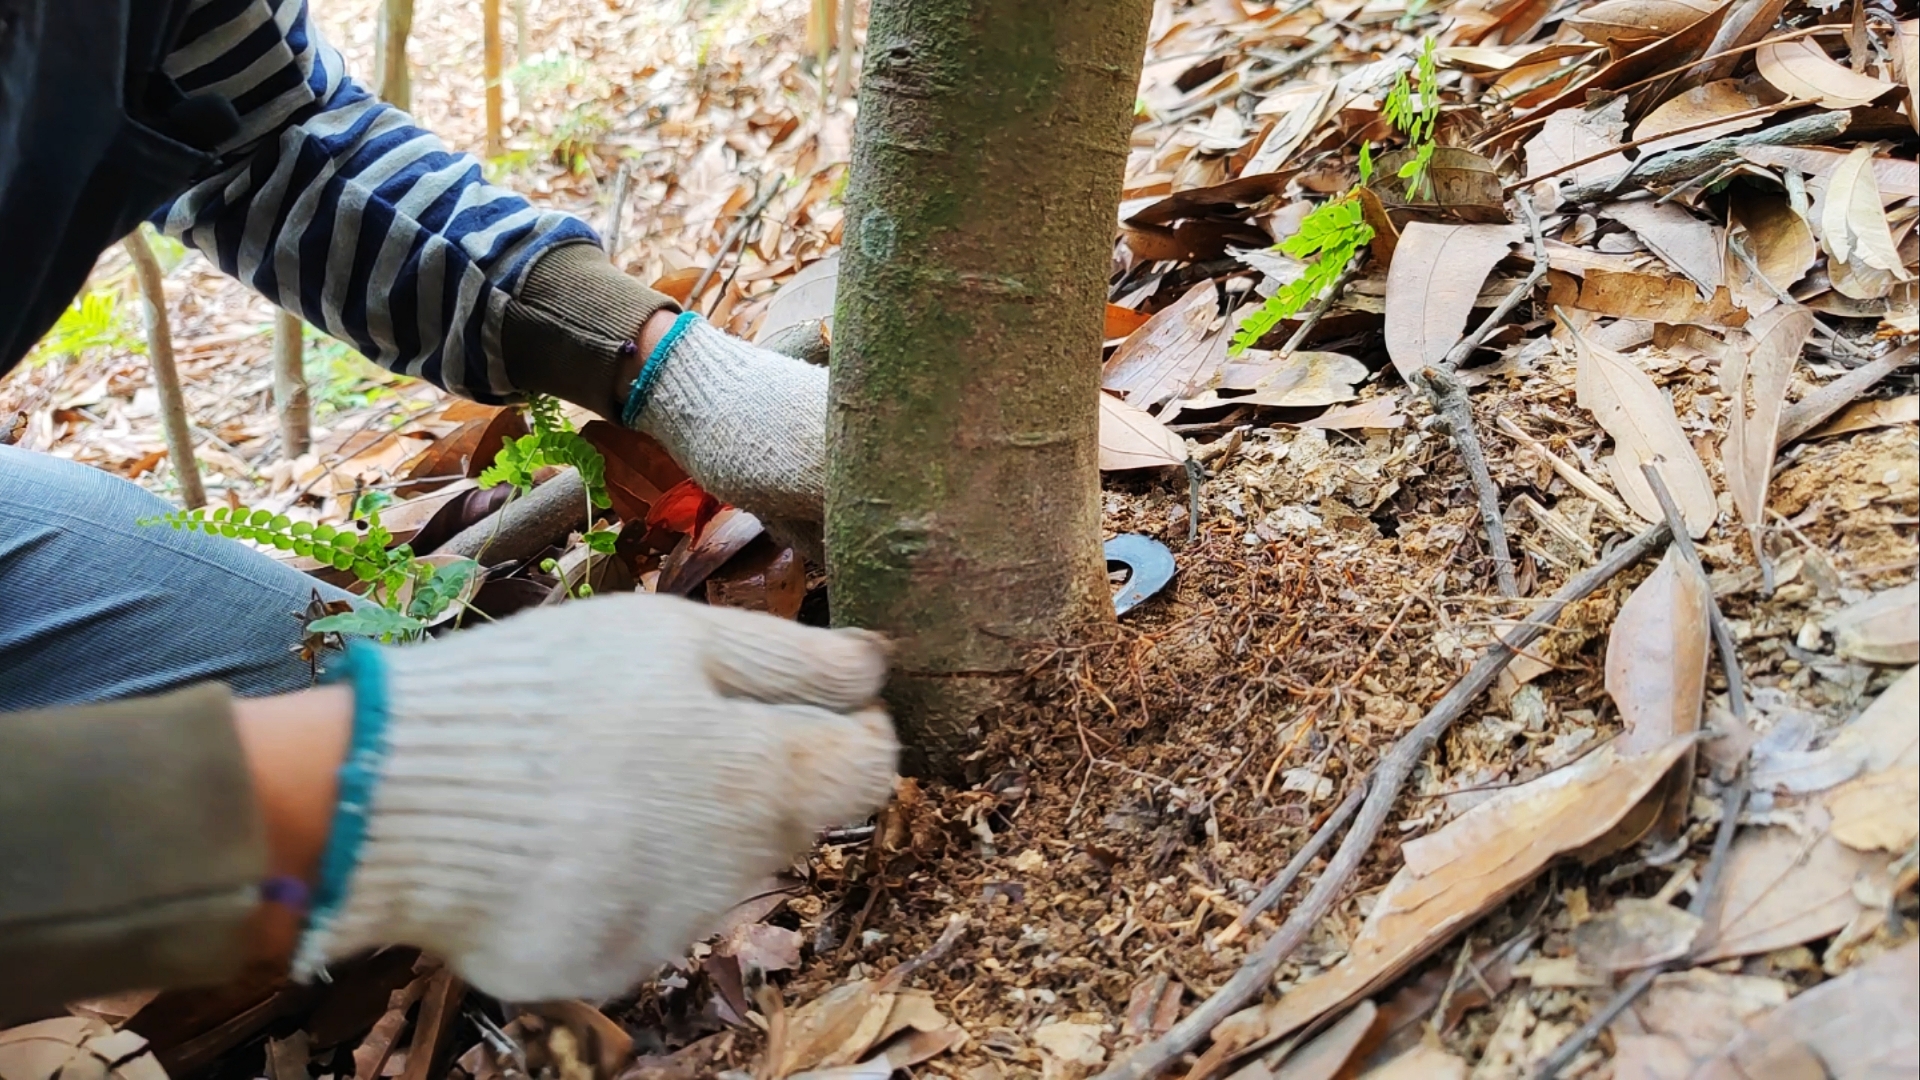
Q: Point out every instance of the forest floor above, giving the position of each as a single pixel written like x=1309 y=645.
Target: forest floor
x=1745 y=322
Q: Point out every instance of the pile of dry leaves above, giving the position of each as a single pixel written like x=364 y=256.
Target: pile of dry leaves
x=1629 y=387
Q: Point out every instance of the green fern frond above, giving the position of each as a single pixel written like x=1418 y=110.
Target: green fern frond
x=1328 y=239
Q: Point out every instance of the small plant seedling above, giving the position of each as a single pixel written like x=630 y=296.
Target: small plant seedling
x=1335 y=232
x=552 y=441
x=1413 y=106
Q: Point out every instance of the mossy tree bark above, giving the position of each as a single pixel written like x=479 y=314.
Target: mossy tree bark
x=963 y=500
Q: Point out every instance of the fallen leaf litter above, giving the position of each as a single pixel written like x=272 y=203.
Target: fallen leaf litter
x=1093 y=884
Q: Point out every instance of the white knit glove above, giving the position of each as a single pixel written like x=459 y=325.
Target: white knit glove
x=748 y=424
x=564 y=800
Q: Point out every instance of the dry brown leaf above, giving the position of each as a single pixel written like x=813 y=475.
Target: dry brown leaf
x=1121 y=322
x=843 y=1025
x=1695 y=248
x=1574 y=134
x=1375 y=414
x=1464 y=186
x=1853 y=223
x=1300 y=109
x=1696 y=109
x=1302 y=380
x=1907 y=63
x=1640 y=418
x=1802 y=70
x=1456 y=873
x=1133 y=438
x=1867 y=415
x=1883 y=736
x=1431 y=287
x=1684 y=1018
x=1423 y=1062
x=1179 y=350
x=1636 y=19
x=1492 y=59
x=1779 y=239
x=805 y=297
x=1756 y=381
x=1326 y=1055
x=75 y=1048
x=1856 y=1027
x=1633 y=934
x=1655 y=297
x=1882 y=629
x=1781 y=888
x=1657 y=675
x=1880 y=810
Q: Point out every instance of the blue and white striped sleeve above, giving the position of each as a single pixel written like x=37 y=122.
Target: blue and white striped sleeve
x=339 y=207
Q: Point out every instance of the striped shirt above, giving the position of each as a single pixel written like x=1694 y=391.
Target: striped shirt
x=339 y=207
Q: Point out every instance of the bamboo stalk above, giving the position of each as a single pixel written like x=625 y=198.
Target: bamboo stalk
x=490 y=46
x=166 y=377
x=291 y=399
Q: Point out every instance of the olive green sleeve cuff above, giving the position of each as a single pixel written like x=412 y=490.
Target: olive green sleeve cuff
x=131 y=849
x=571 y=323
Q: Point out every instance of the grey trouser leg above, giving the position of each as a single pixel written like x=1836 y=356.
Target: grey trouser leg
x=95 y=607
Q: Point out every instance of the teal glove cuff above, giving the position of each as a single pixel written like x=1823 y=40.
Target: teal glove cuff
x=364 y=669
x=642 y=387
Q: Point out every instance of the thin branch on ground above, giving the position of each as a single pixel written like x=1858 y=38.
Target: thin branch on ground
x=1733 y=801
x=741 y=224
x=1383 y=789
x=1450 y=400
x=1814 y=409
x=166 y=377
x=897 y=978
x=1274 y=889
x=1677 y=165
x=1459 y=353
x=1722 y=633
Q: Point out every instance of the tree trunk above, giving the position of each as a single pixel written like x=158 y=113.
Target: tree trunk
x=390 y=53
x=166 y=377
x=963 y=498
x=290 y=397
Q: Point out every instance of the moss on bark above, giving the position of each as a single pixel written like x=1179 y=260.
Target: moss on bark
x=963 y=487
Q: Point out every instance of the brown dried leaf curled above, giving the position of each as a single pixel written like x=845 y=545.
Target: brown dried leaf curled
x=1756 y=382
x=1640 y=418
x=1432 y=285
x=1635 y=19
x=1853 y=222
x=1802 y=70
x=1133 y=438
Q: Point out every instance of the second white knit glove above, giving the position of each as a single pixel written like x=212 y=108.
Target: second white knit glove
x=557 y=803
x=749 y=424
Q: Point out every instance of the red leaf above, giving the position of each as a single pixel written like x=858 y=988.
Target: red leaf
x=683 y=508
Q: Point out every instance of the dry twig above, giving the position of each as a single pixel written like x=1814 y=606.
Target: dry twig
x=1450 y=400
x=1722 y=634
x=1383 y=788
x=1685 y=164
x=1274 y=889
x=1814 y=409
x=1732 y=801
